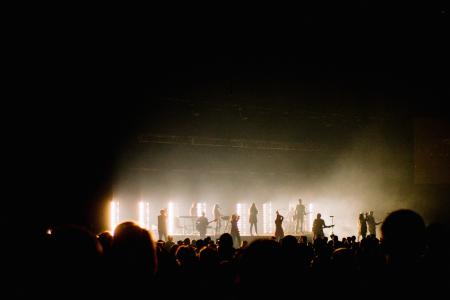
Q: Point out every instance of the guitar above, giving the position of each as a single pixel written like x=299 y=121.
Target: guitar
x=199 y=225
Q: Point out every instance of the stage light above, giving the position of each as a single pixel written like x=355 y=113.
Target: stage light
x=144 y=214
x=114 y=215
x=242 y=211
x=141 y=214
x=268 y=218
x=201 y=207
x=171 y=217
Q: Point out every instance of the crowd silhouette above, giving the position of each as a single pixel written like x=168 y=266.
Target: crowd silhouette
x=408 y=258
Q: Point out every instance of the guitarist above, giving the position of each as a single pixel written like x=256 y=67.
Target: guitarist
x=299 y=216
x=202 y=225
x=318 y=226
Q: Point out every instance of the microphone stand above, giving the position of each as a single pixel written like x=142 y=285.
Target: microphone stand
x=332 y=225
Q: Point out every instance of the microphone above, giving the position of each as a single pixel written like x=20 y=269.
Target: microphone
x=331 y=216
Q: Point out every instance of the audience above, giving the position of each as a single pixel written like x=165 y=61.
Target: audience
x=409 y=258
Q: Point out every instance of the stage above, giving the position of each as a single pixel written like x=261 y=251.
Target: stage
x=248 y=238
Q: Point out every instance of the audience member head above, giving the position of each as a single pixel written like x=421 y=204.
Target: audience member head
x=403 y=235
x=134 y=250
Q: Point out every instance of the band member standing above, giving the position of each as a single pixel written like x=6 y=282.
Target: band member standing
x=372 y=224
x=279 y=232
x=235 y=230
x=362 y=226
x=253 y=219
x=162 y=225
x=318 y=226
x=218 y=216
x=202 y=225
x=299 y=216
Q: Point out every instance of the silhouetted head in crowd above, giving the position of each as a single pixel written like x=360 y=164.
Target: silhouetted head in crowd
x=403 y=235
x=226 y=241
x=185 y=256
x=208 y=257
x=73 y=260
x=289 y=242
x=260 y=265
x=134 y=250
x=225 y=247
x=342 y=260
x=199 y=244
x=74 y=245
x=211 y=244
x=173 y=250
x=105 y=238
x=303 y=239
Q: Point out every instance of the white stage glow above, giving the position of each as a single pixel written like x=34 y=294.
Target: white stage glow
x=114 y=215
x=268 y=225
x=242 y=211
x=171 y=217
x=144 y=215
x=201 y=207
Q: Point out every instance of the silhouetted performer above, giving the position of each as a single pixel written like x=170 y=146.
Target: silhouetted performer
x=218 y=216
x=202 y=225
x=235 y=230
x=299 y=216
x=162 y=225
x=279 y=232
x=362 y=226
x=372 y=224
x=253 y=219
x=318 y=226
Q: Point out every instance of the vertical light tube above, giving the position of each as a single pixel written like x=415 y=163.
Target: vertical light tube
x=267 y=218
x=239 y=213
x=144 y=214
x=141 y=214
x=199 y=209
x=171 y=217
x=242 y=211
x=147 y=213
x=114 y=215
